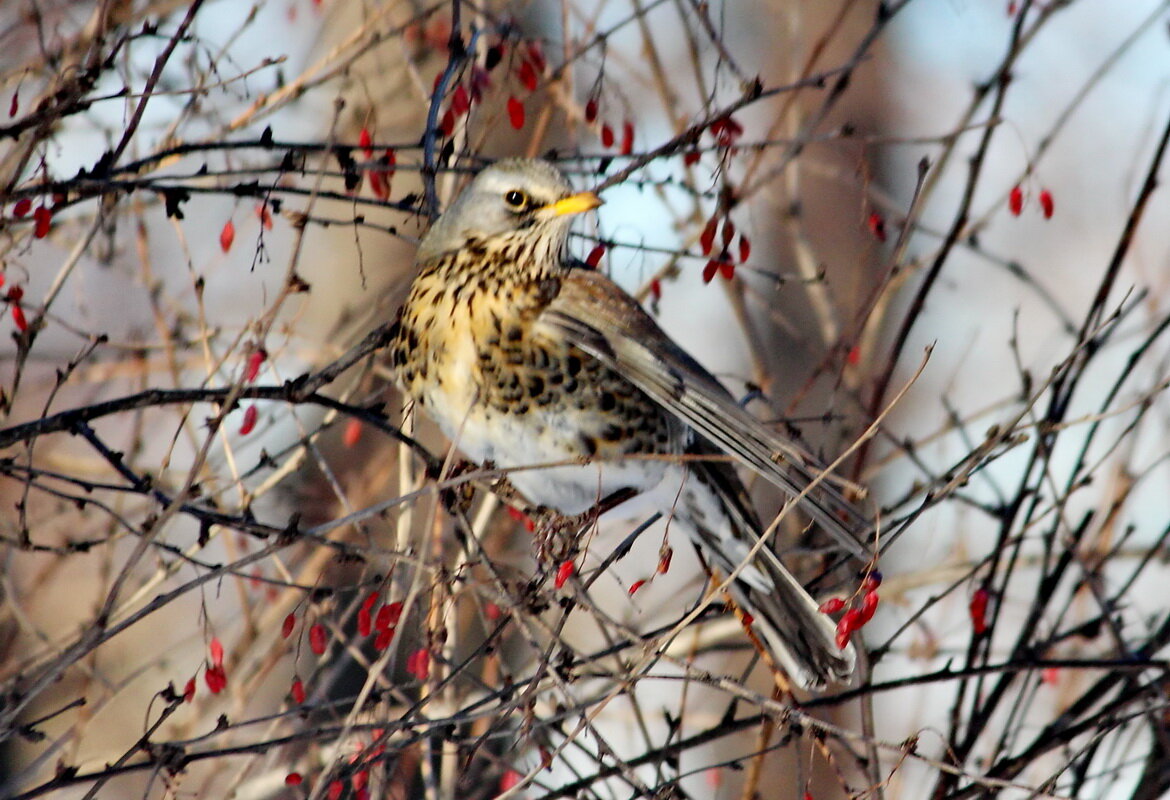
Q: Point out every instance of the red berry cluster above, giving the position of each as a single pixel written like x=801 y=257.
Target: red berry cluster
x=380 y=175
x=251 y=371
x=531 y=67
x=520 y=516
x=665 y=556
x=382 y=621
x=42 y=215
x=1017 y=199
x=724 y=263
x=607 y=134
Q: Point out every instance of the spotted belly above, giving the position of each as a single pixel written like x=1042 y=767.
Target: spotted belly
x=520 y=401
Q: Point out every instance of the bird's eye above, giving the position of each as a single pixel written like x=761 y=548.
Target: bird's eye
x=516 y=199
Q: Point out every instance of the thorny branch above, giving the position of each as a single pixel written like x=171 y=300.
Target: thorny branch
x=382 y=626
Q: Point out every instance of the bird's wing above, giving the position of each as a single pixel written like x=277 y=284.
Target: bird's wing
x=600 y=318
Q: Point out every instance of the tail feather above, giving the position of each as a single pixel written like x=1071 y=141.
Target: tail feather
x=725 y=528
x=797 y=634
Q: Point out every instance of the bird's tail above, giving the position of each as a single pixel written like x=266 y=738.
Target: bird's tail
x=797 y=634
x=724 y=526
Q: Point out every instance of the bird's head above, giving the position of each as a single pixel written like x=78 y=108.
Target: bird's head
x=512 y=199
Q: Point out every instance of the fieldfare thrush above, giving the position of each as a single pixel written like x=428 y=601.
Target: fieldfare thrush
x=523 y=356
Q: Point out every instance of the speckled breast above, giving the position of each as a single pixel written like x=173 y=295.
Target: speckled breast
x=469 y=354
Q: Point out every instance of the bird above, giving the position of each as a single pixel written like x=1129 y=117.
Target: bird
x=522 y=355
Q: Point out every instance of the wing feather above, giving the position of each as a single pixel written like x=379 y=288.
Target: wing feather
x=601 y=319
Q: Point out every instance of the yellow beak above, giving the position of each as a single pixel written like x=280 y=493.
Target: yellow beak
x=573 y=204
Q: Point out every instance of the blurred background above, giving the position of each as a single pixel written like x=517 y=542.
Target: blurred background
x=927 y=239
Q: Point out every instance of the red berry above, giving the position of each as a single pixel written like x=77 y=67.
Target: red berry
x=249 y=423
x=727 y=270
x=710 y=270
x=419 y=663
x=832 y=605
x=265 y=216
x=627 y=138
x=216 y=679
x=564 y=572
x=42 y=222
x=335 y=790
x=14 y=105
x=594 y=257
x=227 y=235
x=527 y=74
x=877 y=226
x=378 y=185
x=293 y=779
x=286 y=628
x=869 y=605
x=726 y=130
x=360 y=780
x=606 y=136
x=216 y=650
x=691 y=158
x=255 y=360
x=189 y=691
x=1046 y=204
x=318 y=639
x=22 y=207
x=636 y=585
x=365 y=624
x=388 y=615
x=707 y=237
x=591 y=110
x=978 y=610
x=353 y=432
x=298 y=691
x=447 y=125
x=509 y=780
x=365 y=141
x=745 y=248
x=383 y=639
x=19 y=319
x=460 y=102
x=1016 y=201
x=515 y=113
x=846 y=626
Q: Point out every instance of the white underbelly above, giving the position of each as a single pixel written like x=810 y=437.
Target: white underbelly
x=537 y=452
